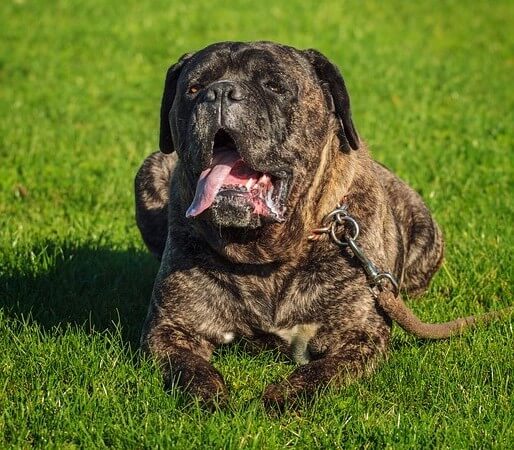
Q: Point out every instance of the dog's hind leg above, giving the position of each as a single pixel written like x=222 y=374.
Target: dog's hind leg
x=421 y=238
x=424 y=255
x=152 y=185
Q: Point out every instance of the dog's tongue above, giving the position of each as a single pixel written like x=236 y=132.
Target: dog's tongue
x=212 y=179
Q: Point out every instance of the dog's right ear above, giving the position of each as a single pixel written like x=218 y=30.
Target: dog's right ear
x=170 y=89
x=337 y=97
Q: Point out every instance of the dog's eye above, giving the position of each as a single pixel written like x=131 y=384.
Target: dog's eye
x=194 y=89
x=274 y=87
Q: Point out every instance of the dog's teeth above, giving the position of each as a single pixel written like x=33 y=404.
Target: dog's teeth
x=264 y=179
x=250 y=183
x=269 y=195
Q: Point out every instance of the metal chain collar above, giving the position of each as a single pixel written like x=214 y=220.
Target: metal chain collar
x=340 y=217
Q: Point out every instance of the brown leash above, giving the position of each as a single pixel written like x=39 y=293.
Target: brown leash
x=389 y=299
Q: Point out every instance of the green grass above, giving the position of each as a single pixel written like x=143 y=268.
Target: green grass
x=80 y=86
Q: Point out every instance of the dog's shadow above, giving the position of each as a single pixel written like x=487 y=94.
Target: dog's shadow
x=96 y=288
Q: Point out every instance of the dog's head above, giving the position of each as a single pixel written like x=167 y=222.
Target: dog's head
x=248 y=121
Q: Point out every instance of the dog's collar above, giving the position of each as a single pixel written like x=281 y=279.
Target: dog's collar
x=344 y=230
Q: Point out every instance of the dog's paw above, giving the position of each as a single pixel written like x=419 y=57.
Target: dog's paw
x=204 y=384
x=212 y=393
x=280 y=396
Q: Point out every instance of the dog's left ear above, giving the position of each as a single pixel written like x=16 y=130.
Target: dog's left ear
x=170 y=89
x=337 y=97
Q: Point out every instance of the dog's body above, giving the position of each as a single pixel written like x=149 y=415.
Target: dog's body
x=241 y=263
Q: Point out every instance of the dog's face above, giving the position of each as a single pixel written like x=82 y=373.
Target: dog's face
x=248 y=122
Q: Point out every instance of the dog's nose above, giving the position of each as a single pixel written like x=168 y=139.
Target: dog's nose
x=225 y=91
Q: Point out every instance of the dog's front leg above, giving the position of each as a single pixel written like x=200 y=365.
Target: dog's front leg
x=184 y=359
x=352 y=354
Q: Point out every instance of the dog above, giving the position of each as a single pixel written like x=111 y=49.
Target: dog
x=257 y=148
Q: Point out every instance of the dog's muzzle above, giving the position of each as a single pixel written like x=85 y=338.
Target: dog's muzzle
x=237 y=192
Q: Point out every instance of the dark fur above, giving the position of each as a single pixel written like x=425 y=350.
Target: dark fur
x=271 y=283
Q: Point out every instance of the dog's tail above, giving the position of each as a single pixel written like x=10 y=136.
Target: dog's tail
x=398 y=311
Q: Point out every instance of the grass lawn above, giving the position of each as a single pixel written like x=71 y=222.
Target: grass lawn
x=80 y=87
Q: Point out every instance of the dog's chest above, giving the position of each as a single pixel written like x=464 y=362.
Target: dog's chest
x=278 y=301
x=284 y=308
x=298 y=338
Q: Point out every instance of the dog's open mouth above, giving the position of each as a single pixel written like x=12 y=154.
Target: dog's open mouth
x=230 y=179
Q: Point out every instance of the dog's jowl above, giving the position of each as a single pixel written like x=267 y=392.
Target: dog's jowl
x=257 y=146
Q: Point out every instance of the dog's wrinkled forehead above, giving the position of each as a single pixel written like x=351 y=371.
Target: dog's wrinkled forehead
x=267 y=81
x=243 y=61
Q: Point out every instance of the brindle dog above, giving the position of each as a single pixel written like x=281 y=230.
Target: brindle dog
x=265 y=147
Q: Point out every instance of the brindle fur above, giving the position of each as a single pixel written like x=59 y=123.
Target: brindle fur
x=273 y=284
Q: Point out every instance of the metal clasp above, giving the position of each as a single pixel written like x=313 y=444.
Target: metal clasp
x=340 y=217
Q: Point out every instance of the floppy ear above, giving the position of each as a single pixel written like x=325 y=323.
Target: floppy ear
x=336 y=95
x=170 y=88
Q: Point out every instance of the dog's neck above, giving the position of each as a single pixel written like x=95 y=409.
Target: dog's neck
x=331 y=182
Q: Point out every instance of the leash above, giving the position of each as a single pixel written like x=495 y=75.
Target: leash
x=332 y=223
x=389 y=299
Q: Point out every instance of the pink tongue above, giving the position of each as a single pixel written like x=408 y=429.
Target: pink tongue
x=211 y=180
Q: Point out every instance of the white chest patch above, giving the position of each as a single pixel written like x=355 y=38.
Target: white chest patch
x=298 y=338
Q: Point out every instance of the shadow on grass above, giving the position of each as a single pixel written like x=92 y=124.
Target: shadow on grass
x=88 y=286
